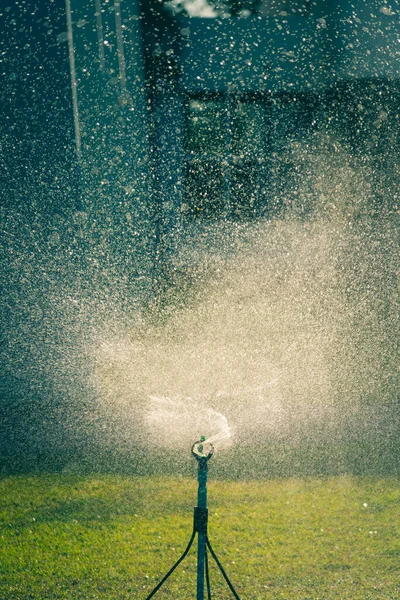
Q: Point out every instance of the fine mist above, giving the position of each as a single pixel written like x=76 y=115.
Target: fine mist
x=277 y=338
x=282 y=344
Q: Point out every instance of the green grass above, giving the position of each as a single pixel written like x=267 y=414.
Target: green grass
x=82 y=537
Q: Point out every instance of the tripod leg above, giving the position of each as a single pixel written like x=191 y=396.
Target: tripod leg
x=201 y=557
x=164 y=579
x=208 y=577
x=225 y=576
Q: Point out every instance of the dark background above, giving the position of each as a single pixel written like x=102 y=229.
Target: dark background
x=39 y=191
x=42 y=251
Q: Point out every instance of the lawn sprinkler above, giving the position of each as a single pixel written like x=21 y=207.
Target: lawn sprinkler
x=202 y=452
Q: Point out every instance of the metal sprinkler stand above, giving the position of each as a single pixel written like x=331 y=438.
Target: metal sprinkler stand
x=202 y=451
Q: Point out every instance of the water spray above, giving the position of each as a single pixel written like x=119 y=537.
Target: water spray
x=202 y=452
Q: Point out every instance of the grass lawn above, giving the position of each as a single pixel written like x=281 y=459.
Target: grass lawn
x=81 y=537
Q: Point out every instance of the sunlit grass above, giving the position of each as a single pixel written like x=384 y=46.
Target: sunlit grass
x=114 y=537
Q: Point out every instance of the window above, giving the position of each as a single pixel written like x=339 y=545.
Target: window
x=227 y=141
x=236 y=162
x=206 y=127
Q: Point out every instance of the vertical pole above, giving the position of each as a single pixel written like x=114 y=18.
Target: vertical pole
x=202 y=534
x=73 y=80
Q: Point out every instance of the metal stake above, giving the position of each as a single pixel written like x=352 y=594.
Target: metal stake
x=202 y=531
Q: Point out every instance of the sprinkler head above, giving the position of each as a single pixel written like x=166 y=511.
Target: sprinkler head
x=202 y=450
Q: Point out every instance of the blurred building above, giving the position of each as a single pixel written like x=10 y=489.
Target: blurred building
x=183 y=108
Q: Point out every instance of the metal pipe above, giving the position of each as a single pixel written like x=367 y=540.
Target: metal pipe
x=100 y=36
x=71 y=53
x=202 y=534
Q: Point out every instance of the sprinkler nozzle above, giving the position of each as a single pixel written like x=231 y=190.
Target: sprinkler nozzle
x=202 y=449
